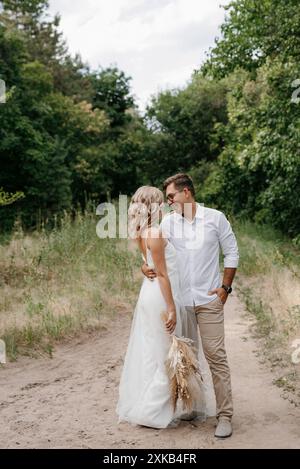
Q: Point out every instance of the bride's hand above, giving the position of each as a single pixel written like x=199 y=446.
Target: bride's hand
x=171 y=322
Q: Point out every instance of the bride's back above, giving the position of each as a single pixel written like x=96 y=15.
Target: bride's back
x=170 y=256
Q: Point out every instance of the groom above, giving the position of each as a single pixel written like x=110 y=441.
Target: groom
x=197 y=233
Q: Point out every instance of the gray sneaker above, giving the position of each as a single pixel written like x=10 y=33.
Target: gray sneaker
x=224 y=428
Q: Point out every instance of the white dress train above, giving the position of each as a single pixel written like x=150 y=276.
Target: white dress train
x=144 y=392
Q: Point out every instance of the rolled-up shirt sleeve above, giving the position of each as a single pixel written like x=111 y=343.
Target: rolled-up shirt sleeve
x=228 y=243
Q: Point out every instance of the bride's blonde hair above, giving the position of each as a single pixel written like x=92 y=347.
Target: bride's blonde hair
x=144 y=210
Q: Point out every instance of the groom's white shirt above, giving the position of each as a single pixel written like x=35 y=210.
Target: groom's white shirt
x=198 y=247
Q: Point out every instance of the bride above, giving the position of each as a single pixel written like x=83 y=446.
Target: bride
x=144 y=391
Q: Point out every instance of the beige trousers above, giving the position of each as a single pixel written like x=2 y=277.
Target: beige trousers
x=210 y=319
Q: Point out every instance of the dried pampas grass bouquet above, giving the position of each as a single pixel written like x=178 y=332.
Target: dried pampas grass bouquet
x=183 y=370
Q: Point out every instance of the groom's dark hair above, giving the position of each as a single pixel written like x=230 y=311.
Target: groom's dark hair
x=180 y=181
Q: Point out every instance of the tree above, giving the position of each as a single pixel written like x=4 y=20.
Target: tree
x=254 y=30
x=44 y=43
x=258 y=173
x=12 y=55
x=183 y=124
x=112 y=95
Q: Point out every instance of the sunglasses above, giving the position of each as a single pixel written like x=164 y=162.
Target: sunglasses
x=170 y=197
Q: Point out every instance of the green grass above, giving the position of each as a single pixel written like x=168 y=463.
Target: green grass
x=56 y=284
x=262 y=312
x=269 y=270
x=269 y=285
x=261 y=246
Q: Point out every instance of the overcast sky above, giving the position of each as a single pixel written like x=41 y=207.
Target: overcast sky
x=157 y=42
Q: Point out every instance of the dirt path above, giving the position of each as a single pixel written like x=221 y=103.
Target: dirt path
x=69 y=401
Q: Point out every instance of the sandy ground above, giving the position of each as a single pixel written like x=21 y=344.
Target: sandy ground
x=69 y=401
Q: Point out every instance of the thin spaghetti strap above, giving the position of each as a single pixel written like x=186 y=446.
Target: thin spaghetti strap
x=146 y=239
x=146 y=249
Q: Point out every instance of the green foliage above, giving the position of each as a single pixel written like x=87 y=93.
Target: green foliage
x=66 y=134
x=69 y=134
x=6 y=199
x=258 y=172
x=183 y=126
x=112 y=94
x=253 y=31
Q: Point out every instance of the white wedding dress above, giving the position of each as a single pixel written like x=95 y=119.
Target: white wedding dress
x=144 y=393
